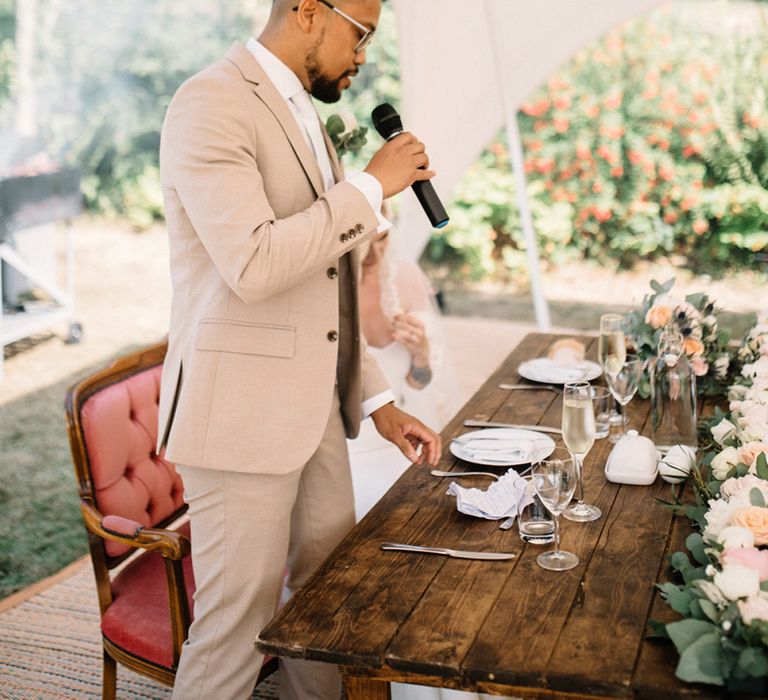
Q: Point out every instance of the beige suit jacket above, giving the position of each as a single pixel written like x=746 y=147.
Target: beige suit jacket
x=262 y=258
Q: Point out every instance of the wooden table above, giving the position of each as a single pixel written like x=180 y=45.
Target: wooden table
x=504 y=628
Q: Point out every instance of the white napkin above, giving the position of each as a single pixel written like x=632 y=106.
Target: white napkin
x=500 y=450
x=503 y=499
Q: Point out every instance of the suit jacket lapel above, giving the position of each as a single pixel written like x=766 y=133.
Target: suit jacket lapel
x=338 y=171
x=266 y=91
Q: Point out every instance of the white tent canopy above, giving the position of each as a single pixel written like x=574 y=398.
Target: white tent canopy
x=468 y=65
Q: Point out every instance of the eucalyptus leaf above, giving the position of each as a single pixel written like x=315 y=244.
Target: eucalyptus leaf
x=685 y=632
x=709 y=609
x=756 y=497
x=762 y=466
x=695 y=544
x=753 y=662
x=702 y=660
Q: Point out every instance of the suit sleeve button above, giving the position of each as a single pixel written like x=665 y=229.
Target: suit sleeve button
x=333 y=336
x=359 y=228
x=343 y=237
x=332 y=272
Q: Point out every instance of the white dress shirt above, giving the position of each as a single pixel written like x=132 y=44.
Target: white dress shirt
x=300 y=103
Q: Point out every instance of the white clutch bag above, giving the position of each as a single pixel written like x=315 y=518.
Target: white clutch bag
x=633 y=460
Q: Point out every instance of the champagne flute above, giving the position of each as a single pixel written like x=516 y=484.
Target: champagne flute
x=611 y=353
x=623 y=385
x=554 y=479
x=579 y=436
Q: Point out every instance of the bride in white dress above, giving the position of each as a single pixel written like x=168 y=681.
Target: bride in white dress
x=401 y=323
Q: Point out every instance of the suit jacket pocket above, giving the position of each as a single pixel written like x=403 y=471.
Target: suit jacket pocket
x=245 y=338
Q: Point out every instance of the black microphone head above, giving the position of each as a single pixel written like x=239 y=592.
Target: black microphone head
x=386 y=120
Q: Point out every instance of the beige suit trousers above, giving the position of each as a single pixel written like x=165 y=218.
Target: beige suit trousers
x=245 y=528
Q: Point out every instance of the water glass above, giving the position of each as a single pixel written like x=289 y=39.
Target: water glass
x=554 y=479
x=602 y=401
x=536 y=524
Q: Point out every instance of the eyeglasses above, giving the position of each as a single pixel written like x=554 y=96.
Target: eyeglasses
x=367 y=34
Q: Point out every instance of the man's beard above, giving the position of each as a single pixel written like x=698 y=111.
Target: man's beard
x=321 y=88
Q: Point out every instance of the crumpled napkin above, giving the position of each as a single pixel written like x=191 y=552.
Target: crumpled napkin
x=503 y=499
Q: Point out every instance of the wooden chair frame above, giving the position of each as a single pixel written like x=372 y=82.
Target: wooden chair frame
x=171 y=545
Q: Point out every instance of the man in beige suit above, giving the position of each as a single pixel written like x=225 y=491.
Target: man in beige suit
x=266 y=371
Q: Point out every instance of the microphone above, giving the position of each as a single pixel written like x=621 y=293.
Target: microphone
x=387 y=122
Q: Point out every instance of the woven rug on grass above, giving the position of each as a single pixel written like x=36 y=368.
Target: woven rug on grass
x=50 y=646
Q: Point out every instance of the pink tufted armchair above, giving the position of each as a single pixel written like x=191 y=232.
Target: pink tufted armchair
x=131 y=500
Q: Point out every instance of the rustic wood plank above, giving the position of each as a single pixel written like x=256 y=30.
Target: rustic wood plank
x=599 y=643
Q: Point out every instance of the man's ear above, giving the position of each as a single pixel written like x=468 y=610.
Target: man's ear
x=307 y=14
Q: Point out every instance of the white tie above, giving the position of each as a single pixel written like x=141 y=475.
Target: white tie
x=311 y=124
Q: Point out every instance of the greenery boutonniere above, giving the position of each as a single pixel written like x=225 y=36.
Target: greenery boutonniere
x=346 y=135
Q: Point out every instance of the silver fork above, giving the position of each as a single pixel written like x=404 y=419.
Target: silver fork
x=437 y=472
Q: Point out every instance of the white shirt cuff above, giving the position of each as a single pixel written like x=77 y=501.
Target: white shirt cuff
x=370 y=188
x=376 y=402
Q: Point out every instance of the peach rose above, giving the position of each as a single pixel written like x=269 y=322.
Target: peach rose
x=658 y=316
x=693 y=346
x=749 y=452
x=756 y=519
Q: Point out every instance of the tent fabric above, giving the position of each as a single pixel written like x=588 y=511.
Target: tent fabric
x=452 y=86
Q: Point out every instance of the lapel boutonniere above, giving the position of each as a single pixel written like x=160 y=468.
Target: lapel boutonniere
x=346 y=135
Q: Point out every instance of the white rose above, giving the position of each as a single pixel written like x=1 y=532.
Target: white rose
x=724 y=461
x=756 y=369
x=738 y=488
x=718 y=516
x=350 y=122
x=723 y=430
x=737 y=581
x=735 y=537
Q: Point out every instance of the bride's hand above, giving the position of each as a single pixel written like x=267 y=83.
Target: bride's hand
x=409 y=331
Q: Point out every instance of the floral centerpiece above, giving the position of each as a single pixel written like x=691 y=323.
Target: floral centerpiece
x=704 y=342
x=723 y=636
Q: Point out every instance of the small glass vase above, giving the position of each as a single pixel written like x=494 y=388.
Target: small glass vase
x=673 y=394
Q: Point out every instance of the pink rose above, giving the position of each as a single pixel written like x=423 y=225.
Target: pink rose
x=738 y=485
x=756 y=559
x=753 y=609
x=700 y=366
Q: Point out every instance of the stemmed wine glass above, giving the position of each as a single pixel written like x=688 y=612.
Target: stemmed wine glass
x=554 y=479
x=623 y=385
x=579 y=436
x=611 y=353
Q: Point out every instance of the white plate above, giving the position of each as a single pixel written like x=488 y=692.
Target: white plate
x=543 y=445
x=542 y=369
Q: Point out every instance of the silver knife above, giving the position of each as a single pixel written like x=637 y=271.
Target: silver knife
x=458 y=553
x=489 y=424
x=538 y=387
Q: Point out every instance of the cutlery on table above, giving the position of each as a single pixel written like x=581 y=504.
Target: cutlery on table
x=437 y=472
x=457 y=553
x=515 y=387
x=489 y=424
